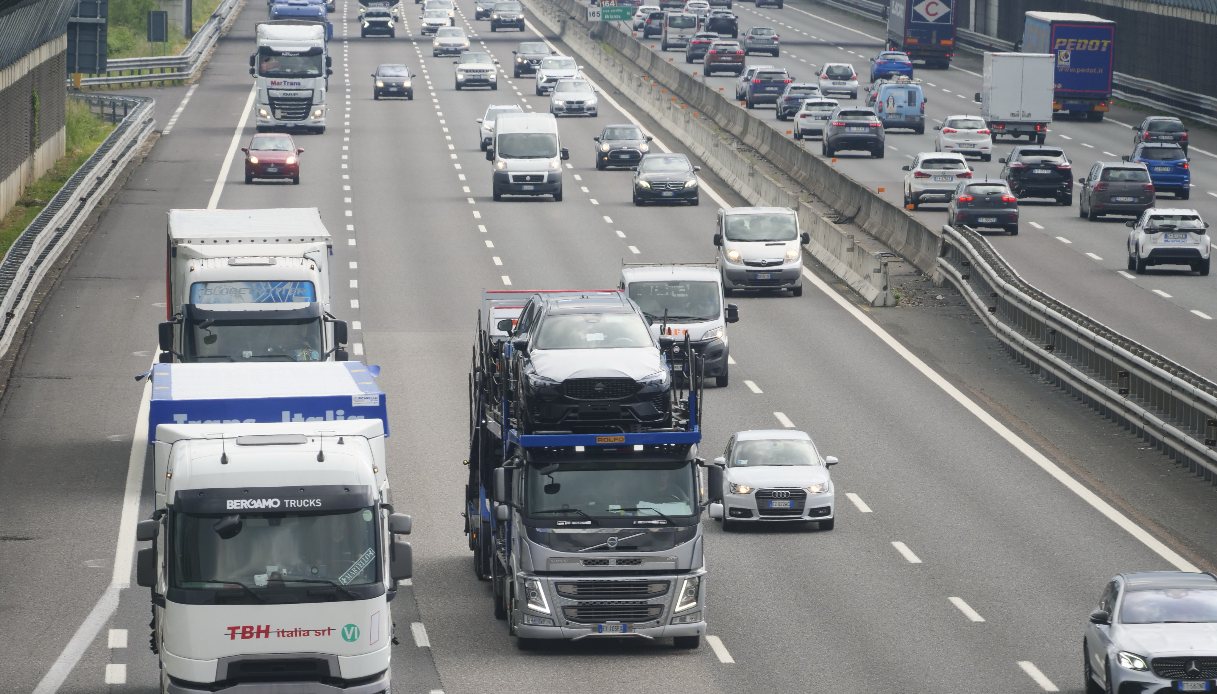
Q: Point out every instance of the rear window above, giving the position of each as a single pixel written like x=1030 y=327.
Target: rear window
x=1125 y=175
x=1038 y=155
x=762 y=31
x=943 y=164
x=966 y=124
x=1178 y=221
x=902 y=96
x=987 y=189
x=839 y=72
x=724 y=46
x=1162 y=153
x=856 y=115
x=894 y=57
x=823 y=106
x=770 y=76
x=1166 y=126
x=682 y=21
x=803 y=91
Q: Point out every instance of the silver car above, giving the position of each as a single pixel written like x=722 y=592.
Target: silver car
x=552 y=69
x=839 y=78
x=486 y=122
x=573 y=97
x=1153 y=631
x=759 y=248
x=772 y=475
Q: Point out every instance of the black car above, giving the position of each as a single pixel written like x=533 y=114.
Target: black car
x=621 y=145
x=695 y=51
x=528 y=56
x=483 y=8
x=378 y=21
x=984 y=204
x=392 y=79
x=793 y=97
x=1161 y=129
x=722 y=22
x=507 y=14
x=588 y=362
x=1037 y=171
x=854 y=128
x=665 y=178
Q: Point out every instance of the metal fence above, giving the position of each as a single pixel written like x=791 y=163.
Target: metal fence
x=37 y=248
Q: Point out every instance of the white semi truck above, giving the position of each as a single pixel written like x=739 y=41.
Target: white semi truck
x=1016 y=94
x=291 y=66
x=274 y=553
x=249 y=285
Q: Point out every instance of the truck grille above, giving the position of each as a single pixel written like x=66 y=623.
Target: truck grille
x=611 y=590
x=599 y=388
x=597 y=612
x=797 y=497
x=1204 y=668
x=290 y=107
x=278 y=670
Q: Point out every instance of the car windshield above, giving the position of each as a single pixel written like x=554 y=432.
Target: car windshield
x=471 y=57
x=682 y=21
x=684 y=301
x=664 y=164
x=393 y=71
x=532 y=48
x=1162 y=153
x=572 y=86
x=1036 y=156
x=252 y=340
x=1176 y=221
x=839 y=72
x=621 y=132
x=272 y=143
x=559 y=64
x=436 y=14
x=761 y=31
x=777 y=452
x=965 y=124
x=1125 y=175
x=592 y=331
x=1180 y=605
x=942 y=165
x=774 y=226
x=1166 y=126
x=527 y=146
x=449 y=32
x=610 y=489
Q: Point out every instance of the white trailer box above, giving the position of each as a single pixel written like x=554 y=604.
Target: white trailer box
x=1016 y=94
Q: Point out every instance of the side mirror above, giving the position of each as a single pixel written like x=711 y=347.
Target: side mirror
x=732 y=313
x=329 y=61
x=299 y=150
x=1130 y=224
x=649 y=138
x=329 y=71
x=564 y=153
x=696 y=169
x=520 y=344
x=164 y=334
x=500 y=485
x=502 y=513
x=596 y=138
x=1100 y=617
x=1002 y=160
x=341 y=355
x=373 y=74
x=145 y=567
x=716 y=511
x=805 y=238
x=976 y=97
x=830 y=460
x=340 y=332
x=251 y=60
x=513 y=52
x=478 y=120
x=719 y=461
x=714 y=476
x=505 y=325
x=147 y=530
x=718 y=239
x=1124 y=158
x=1082 y=181
x=938 y=127
x=490 y=154
x=401 y=561
x=245 y=150
x=906 y=167
x=400 y=524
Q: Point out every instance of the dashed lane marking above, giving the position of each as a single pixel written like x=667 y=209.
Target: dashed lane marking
x=719 y=649
x=783 y=420
x=1039 y=678
x=752 y=386
x=966 y=609
x=858 y=502
x=1037 y=225
x=905 y=552
x=1062 y=239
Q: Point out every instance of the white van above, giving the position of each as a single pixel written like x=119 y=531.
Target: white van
x=678 y=29
x=527 y=155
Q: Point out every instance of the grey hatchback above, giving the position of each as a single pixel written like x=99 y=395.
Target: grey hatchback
x=1115 y=187
x=854 y=128
x=984 y=204
x=1161 y=129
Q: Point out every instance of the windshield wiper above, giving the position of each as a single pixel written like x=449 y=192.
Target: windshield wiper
x=326 y=581
x=238 y=584
x=284 y=357
x=690 y=318
x=564 y=510
x=205 y=357
x=654 y=510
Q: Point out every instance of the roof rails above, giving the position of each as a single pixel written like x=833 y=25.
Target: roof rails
x=625 y=264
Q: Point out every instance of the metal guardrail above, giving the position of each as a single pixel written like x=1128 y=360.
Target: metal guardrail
x=1150 y=93
x=1158 y=399
x=169 y=68
x=37 y=248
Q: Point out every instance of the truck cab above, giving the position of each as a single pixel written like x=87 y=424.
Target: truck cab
x=291 y=66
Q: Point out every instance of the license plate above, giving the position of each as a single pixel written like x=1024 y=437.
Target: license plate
x=967 y=144
x=1176 y=236
x=855 y=130
x=667 y=193
x=1162 y=168
x=527 y=187
x=612 y=628
x=944 y=178
x=1124 y=199
x=1202 y=686
x=272 y=169
x=780 y=503
x=1040 y=171
x=838 y=84
x=986 y=220
x=763 y=275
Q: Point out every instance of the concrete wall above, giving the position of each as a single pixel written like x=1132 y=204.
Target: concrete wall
x=32 y=102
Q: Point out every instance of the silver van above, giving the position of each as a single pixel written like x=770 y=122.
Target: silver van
x=760 y=248
x=527 y=155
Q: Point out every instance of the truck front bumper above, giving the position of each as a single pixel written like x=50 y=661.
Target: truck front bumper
x=580 y=633
x=266 y=121
x=379 y=686
x=648 y=615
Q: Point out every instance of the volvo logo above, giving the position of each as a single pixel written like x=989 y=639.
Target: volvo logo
x=612 y=544
x=780 y=494
x=1193 y=669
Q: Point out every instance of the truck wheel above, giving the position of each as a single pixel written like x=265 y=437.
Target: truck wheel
x=1142 y=265
x=1094 y=116
x=986 y=157
x=498 y=588
x=496 y=194
x=1132 y=262
x=1183 y=194
x=1039 y=139
x=797 y=291
x=558 y=195
x=687 y=643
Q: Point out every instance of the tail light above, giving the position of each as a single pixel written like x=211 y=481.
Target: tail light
x=1017 y=165
x=823 y=75
x=1183 y=136
x=982 y=131
x=1145 y=135
x=838 y=124
x=964 y=198
x=949 y=131
x=964 y=174
x=1184 y=165
x=1100 y=187
x=1147 y=187
x=1006 y=197
x=739 y=52
x=999 y=126
x=756 y=81
x=1064 y=167
x=1039 y=127
x=920 y=174
x=875 y=125
x=787 y=81
x=923 y=108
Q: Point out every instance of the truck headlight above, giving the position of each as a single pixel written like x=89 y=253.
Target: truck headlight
x=253 y=159
x=644 y=147
x=262 y=112
x=820 y=488
x=534 y=593
x=500 y=166
x=739 y=488
x=733 y=255
x=792 y=254
x=1132 y=661
x=380 y=83
x=317 y=112
x=605 y=147
x=713 y=333
x=555 y=164
x=691 y=183
x=688 y=594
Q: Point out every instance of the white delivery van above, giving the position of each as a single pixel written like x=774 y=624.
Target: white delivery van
x=527 y=155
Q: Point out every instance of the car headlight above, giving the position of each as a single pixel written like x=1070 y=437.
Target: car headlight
x=644 y=147
x=792 y=254
x=263 y=113
x=559 y=102
x=691 y=183
x=253 y=159
x=820 y=488
x=500 y=166
x=366 y=24
x=380 y=83
x=739 y=488
x=713 y=333
x=733 y=255
x=1132 y=661
x=494 y=16
x=555 y=164
x=537 y=379
x=460 y=76
x=290 y=161
x=406 y=84
x=534 y=593
x=688 y=594
x=644 y=184
x=659 y=378
x=605 y=147
x=591 y=101
x=519 y=59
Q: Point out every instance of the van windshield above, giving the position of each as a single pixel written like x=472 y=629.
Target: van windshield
x=682 y=21
x=527 y=146
x=778 y=226
x=684 y=301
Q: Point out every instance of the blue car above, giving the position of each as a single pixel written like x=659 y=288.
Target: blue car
x=889 y=63
x=1168 y=167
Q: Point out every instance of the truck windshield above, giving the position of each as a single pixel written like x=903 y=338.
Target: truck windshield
x=761 y=227
x=271 y=64
x=527 y=146
x=606 y=489
x=257 y=338
x=684 y=301
x=277 y=557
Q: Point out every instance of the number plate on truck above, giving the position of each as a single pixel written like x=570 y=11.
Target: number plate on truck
x=613 y=628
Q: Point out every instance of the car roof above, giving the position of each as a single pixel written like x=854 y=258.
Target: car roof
x=758 y=210
x=769 y=434
x=1159 y=145
x=944 y=155
x=821 y=100
x=1174 y=118
x=1154 y=580
x=803 y=85
x=985 y=181
x=609 y=302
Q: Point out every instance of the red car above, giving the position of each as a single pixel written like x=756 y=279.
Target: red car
x=272 y=155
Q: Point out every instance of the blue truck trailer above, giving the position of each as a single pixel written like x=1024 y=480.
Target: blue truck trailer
x=925 y=29
x=1084 y=47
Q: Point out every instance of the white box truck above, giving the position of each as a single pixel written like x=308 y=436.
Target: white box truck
x=249 y=285
x=274 y=553
x=1016 y=94
x=291 y=66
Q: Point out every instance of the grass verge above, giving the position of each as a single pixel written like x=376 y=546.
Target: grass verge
x=128 y=28
x=85 y=134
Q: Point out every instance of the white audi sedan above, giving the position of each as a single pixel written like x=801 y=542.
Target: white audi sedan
x=772 y=475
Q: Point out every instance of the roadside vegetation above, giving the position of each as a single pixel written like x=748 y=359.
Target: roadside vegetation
x=85 y=133
x=128 y=28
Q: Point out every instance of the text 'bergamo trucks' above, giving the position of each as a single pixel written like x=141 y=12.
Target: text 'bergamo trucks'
x=589 y=527
x=291 y=66
x=249 y=286
x=273 y=556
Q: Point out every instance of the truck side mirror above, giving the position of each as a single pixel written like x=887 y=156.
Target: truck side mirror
x=340 y=332
x=502 y=513
x=805 y=238
x=564 y=153
x=715 y=482
x=732 y=313
x=1082 y=181
x=329 y=61
x=251 y=59
x=501 y=485
x=145 y=567
x=401 y=561
x=164 y=335
x=329 y=71
x=490 y=154
x=718 y=239
x=165 y=358
x=400 y=523
x=147 y=530
x=251 y=71
x=976 y=97
x=596 y=138
x=341 y=355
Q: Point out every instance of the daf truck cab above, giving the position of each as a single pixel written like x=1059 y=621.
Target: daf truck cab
x=527 y=156
x=291 y=66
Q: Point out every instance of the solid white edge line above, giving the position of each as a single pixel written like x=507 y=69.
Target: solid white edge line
x=716 y=645
x=1155 y=545
x=232 y=150
x=1039 y=677
x=966 y=609
x=905 y=552
x=858 y=502
x=420 y=634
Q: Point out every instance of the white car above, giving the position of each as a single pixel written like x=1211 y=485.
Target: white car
x=486 y=122
x=641 y=14
x=839 y=78
x=811 y=117
x=476 y=69
x=552 y=69
x=772 y=475
x=967 y=135
x=933 y=177
x=573 y=97
x=434 y=20
x=1167 y=236
x=449 y=41
x=698 y=8
x=445 y=5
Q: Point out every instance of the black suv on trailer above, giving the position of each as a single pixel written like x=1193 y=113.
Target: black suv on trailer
x=1036 y=171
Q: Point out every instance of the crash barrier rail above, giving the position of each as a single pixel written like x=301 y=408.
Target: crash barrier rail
x=40 y=245
x=1149 y=93
x=169 y=68
x=1159 y=400
x=112 y=109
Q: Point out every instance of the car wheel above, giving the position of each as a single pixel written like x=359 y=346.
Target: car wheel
x=1039 y=139
x=1132 y=262
x=880 y=152
x=296 y=180
x=687 y=643
x=798 y=135
x=249 y=179
x=748 y=102
x=853 y=95
x=558 y=195
x=797 y=291
x=1203 y=267
x=375 y=96
x=537 y=90
x=827 y=151
x=515 y=73
x=696 y=201
x=723 y=379
x=828 y=524
x=663 y=45
x=920 y=130
x=637 y=200
x=410 y=96
x=1082 y=211
x=496 y=195
x=493 y=28
x=457 y=85
x=1183 y=194
x=1066 y=201
x=599 y=165
x=1142 y=265
x=1012 y=229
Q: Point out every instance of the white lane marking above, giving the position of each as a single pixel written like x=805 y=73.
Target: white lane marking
x=1090 y=146
x=1126 y=275
x=357 y=349
x=232 y=150
x=116 y=673
x=1205 y=152
x=1092 y=256
x=593 y=201
x=470 y=200
x=1161 y=293
x=349 y=213
x=905 y=552
x=1108 y=154
x=784 y=420
x=1037 y=225
x=1062 y=239
x=716 y=645
x=420 y=635
x=354 y=284
x=117 y=638
x=634 y=249
x=620 y=233
x=465 y=189
x=496 y=260
x=893 y=148
x=1156 y=546
x=1212 y=193
x=477 y=215
x=966 y=609
x=1035 y=674
x=350 y=242
x=354 y=303
x=961 y=96
x=1064 y=137
x=578 y=177
x=731 y=360
x=584 y=189
x=178 y=111
x=857 y=501
x=752 y=386
x=489 y=243
x=1202 y=314
x=482 y=228
x=608 y=219
x=460 y=177
x=506 y=280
